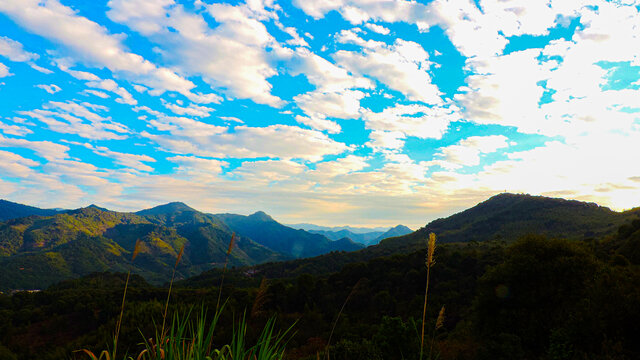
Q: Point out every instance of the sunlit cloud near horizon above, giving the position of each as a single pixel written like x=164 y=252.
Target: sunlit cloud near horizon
x=333 y=112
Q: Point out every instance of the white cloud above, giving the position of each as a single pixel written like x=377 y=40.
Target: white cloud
x=192 y=109
x=507 y=89
x=97 y=93
x=232 y=56
x=275 y=141
x=269 y=170
x=16 y=166
x=4 y=71
x=319 y=124
x=232 y=119
x=45 y=149
x=195 y=166
x=51 y=89
x=132 y=161
x=296 y=40
x=73 y=118
x=467 y=151
x=409 y=120
x=91 y=43
x=13 y=50
x=359 y=11
x=378 y=28
x=402 y=66
x=343 y=105
x=326 y=171
x=381 y=140
x=14 y=129
x=326 y=76
x=112 y=86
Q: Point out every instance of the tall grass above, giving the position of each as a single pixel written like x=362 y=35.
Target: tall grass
x=187 y=339
x=431 y=247
x=105 y=353
x=193 y=340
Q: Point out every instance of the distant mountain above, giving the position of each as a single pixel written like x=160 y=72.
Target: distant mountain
x=297 y=243
x=352 y=229
x=366 y=239
x=10 y=210
x=37 y=251
x=393 y=232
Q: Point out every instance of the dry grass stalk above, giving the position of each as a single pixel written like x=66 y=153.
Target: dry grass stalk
x=224 y=269
x=261 y=298
x=431 y=247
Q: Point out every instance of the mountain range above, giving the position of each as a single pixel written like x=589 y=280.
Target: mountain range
x=353 y=229
x=43 y=247
x=365 y=238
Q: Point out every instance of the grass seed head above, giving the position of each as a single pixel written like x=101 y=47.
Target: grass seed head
x=430 y=249
x=440 y=320
x=233 y=239
x=136 y=249
x=179 y=256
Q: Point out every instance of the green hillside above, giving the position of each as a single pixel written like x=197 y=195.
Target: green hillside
x=38 y=251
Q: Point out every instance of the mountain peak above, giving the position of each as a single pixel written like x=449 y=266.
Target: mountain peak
x=94 y=206
x=398 y=230
x=401 y=228
x=169 y=208
x=262 y=216
x=537 y=201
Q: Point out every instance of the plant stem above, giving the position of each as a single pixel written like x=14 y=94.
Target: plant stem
x=424 y=311
x=115 y=341
x=166 y=305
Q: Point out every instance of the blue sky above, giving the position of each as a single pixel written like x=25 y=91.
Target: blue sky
x=331 y=111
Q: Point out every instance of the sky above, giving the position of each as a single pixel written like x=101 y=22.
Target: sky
x=334 y=112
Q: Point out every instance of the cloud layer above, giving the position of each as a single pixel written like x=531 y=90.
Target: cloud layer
x=332 y=111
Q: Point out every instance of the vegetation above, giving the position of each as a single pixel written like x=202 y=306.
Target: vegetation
x=537 y=297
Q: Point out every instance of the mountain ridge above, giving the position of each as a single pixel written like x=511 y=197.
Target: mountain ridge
x=494 y=211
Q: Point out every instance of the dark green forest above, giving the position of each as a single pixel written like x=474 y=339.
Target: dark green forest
x=508 y=291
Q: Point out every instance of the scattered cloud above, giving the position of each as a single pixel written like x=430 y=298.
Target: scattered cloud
x=80 y=119
x=4 y=71
x=378 y=28
x=403 y=66
x=232 y=56
x=92 y=43
x=51 y=89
